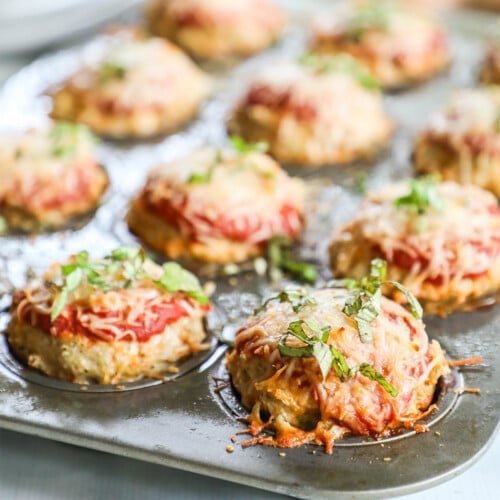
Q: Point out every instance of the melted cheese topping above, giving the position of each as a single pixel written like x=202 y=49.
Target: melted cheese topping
x=302 y=406
x=153 y=71
x=463 y=240
x=106 y=314
x=469 y=112
x=42 y=170
x=30 y=158
x=244 y=190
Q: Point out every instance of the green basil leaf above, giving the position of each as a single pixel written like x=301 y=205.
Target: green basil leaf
x=111 y=71
x=339 y=364
x=242 y=147
x=368 y=371
x=423 y=196
x=177 y=279
x=73 y=279
x=415 y=307
x=58 y=305
x=323 y=356
x=124 y=253
x=294 y=352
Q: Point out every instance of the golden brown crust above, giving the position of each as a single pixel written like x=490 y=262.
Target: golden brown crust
x=79 y=359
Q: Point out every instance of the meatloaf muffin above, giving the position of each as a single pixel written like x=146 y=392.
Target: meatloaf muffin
x=400 y=44
x=141 y=87
x=441 y=241
x=462 y=141
x=217 y=206
x=108 y=321
x=318 y=110
x=48 y=176
x=305 y=372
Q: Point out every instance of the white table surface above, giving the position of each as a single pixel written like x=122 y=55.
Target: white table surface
x=38 y=469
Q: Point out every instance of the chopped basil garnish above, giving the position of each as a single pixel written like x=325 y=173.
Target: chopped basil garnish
x=111 y=71
x=205 y=177
x=297 y=297
x=361 y=183
x=423 y=196
x=370 y=15
x=314 y=343
x=242 y=147
x=340 y=63
x=65 y=136
x=176 y=279
x=280 y=261
x=121 y=269
x=364 y=305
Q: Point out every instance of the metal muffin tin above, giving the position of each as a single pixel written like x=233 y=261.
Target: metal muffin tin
x=188 y=421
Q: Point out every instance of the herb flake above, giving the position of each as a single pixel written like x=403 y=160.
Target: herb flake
x=340 y=63
x=279 y=260
x=423 y=196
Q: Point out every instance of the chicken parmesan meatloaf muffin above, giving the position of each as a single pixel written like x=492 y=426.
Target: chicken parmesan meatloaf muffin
x=315 y=111
x=216 y=29
x=108 y=321
x=441 y=241
x=141 y=87
x=400 y=44
x=48 y=176
x=462 y=141
x=217 y=205
x=490 y=68
x=309 y=368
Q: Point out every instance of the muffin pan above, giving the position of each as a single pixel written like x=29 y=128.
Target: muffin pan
x=190 y=419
